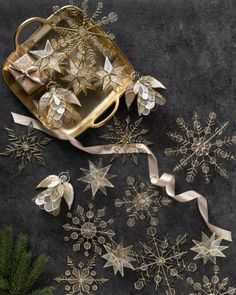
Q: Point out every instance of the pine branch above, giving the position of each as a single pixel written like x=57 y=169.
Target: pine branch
x=35 y=271
x=6 y=244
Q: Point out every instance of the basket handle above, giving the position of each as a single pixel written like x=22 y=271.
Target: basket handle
x=26 y=24
x=101 y=123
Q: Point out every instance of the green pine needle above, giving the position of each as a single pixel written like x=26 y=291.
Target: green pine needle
x=18 y=273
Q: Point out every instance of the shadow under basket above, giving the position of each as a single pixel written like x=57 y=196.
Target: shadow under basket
x=97 y=102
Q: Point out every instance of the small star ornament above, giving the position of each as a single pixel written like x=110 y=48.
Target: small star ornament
x=55 y=188
x=208 y=248
x=97 y=178
x=111 y=75
x=79 y=78
x=119 y=258
x=47 y=59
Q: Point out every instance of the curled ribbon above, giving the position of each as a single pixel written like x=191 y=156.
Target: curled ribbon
x=166 y=180
x=26 y=73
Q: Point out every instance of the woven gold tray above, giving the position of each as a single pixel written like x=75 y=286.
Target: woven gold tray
x=95 y=103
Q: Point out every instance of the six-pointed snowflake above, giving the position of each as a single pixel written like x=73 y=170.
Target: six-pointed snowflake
x=123 y=134
x=141 y=202
x=201 y=147
x=211 y=286
x=88 y=230
x=83 y=35
x=80 y=279
x=162 y=261
x=26 y=147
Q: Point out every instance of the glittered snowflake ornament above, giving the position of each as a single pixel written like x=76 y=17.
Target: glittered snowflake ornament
x=119 y=257
x=81 y=279
x=209 y=248
x=201 y=148
x=161 y=262
x=141 y=202
x=25 y=147
x=89 y=230
x=124 y=133
x=147 y=96
x=55 y=188
x=80 y=32
x=97 y=178
x=211 y=286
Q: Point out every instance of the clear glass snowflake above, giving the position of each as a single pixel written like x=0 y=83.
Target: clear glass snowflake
x=141 y=202
x=211 y=286
x=88 y=230
x=25 y=147
x=124 y=133
x=80 y=279
x=82 y=33
x=201 y=148
x=161 y=261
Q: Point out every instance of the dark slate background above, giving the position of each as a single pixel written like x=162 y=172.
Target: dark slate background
x=190 y=46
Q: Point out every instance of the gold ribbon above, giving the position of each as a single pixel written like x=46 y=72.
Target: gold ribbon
x=166 y=180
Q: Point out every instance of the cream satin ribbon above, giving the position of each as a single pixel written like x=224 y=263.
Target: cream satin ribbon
x=26 y=74
x=166 y=180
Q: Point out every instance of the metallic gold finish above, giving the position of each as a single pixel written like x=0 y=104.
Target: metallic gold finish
x=96 y=102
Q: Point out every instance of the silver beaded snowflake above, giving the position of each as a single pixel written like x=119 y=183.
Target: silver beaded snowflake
x=80 y=279
x=141 y=202
x=123 y=134
x=212 y=286
x=88 y=230
x=162 y=262
x=201 y=148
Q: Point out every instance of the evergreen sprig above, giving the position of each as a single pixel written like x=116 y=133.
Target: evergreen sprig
x=18 y=272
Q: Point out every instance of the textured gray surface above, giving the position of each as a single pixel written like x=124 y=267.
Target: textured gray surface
x=190 y=47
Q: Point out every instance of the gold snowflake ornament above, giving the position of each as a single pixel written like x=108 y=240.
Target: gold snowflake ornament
x=25 y=148
x=123 y=134
x=82 y=35
x=97 y=178
x=80 y=279
x=48 y=59
x=141 y=202
x=88 y=230
x=111 y=75
x=79 y=78
x=212 y=286
x=201 y=148
x=119 y=257
x=162 y=262
x=55 y=188
x=209 y=248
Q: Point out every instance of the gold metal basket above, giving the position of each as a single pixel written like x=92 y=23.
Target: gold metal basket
x=95 y=103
